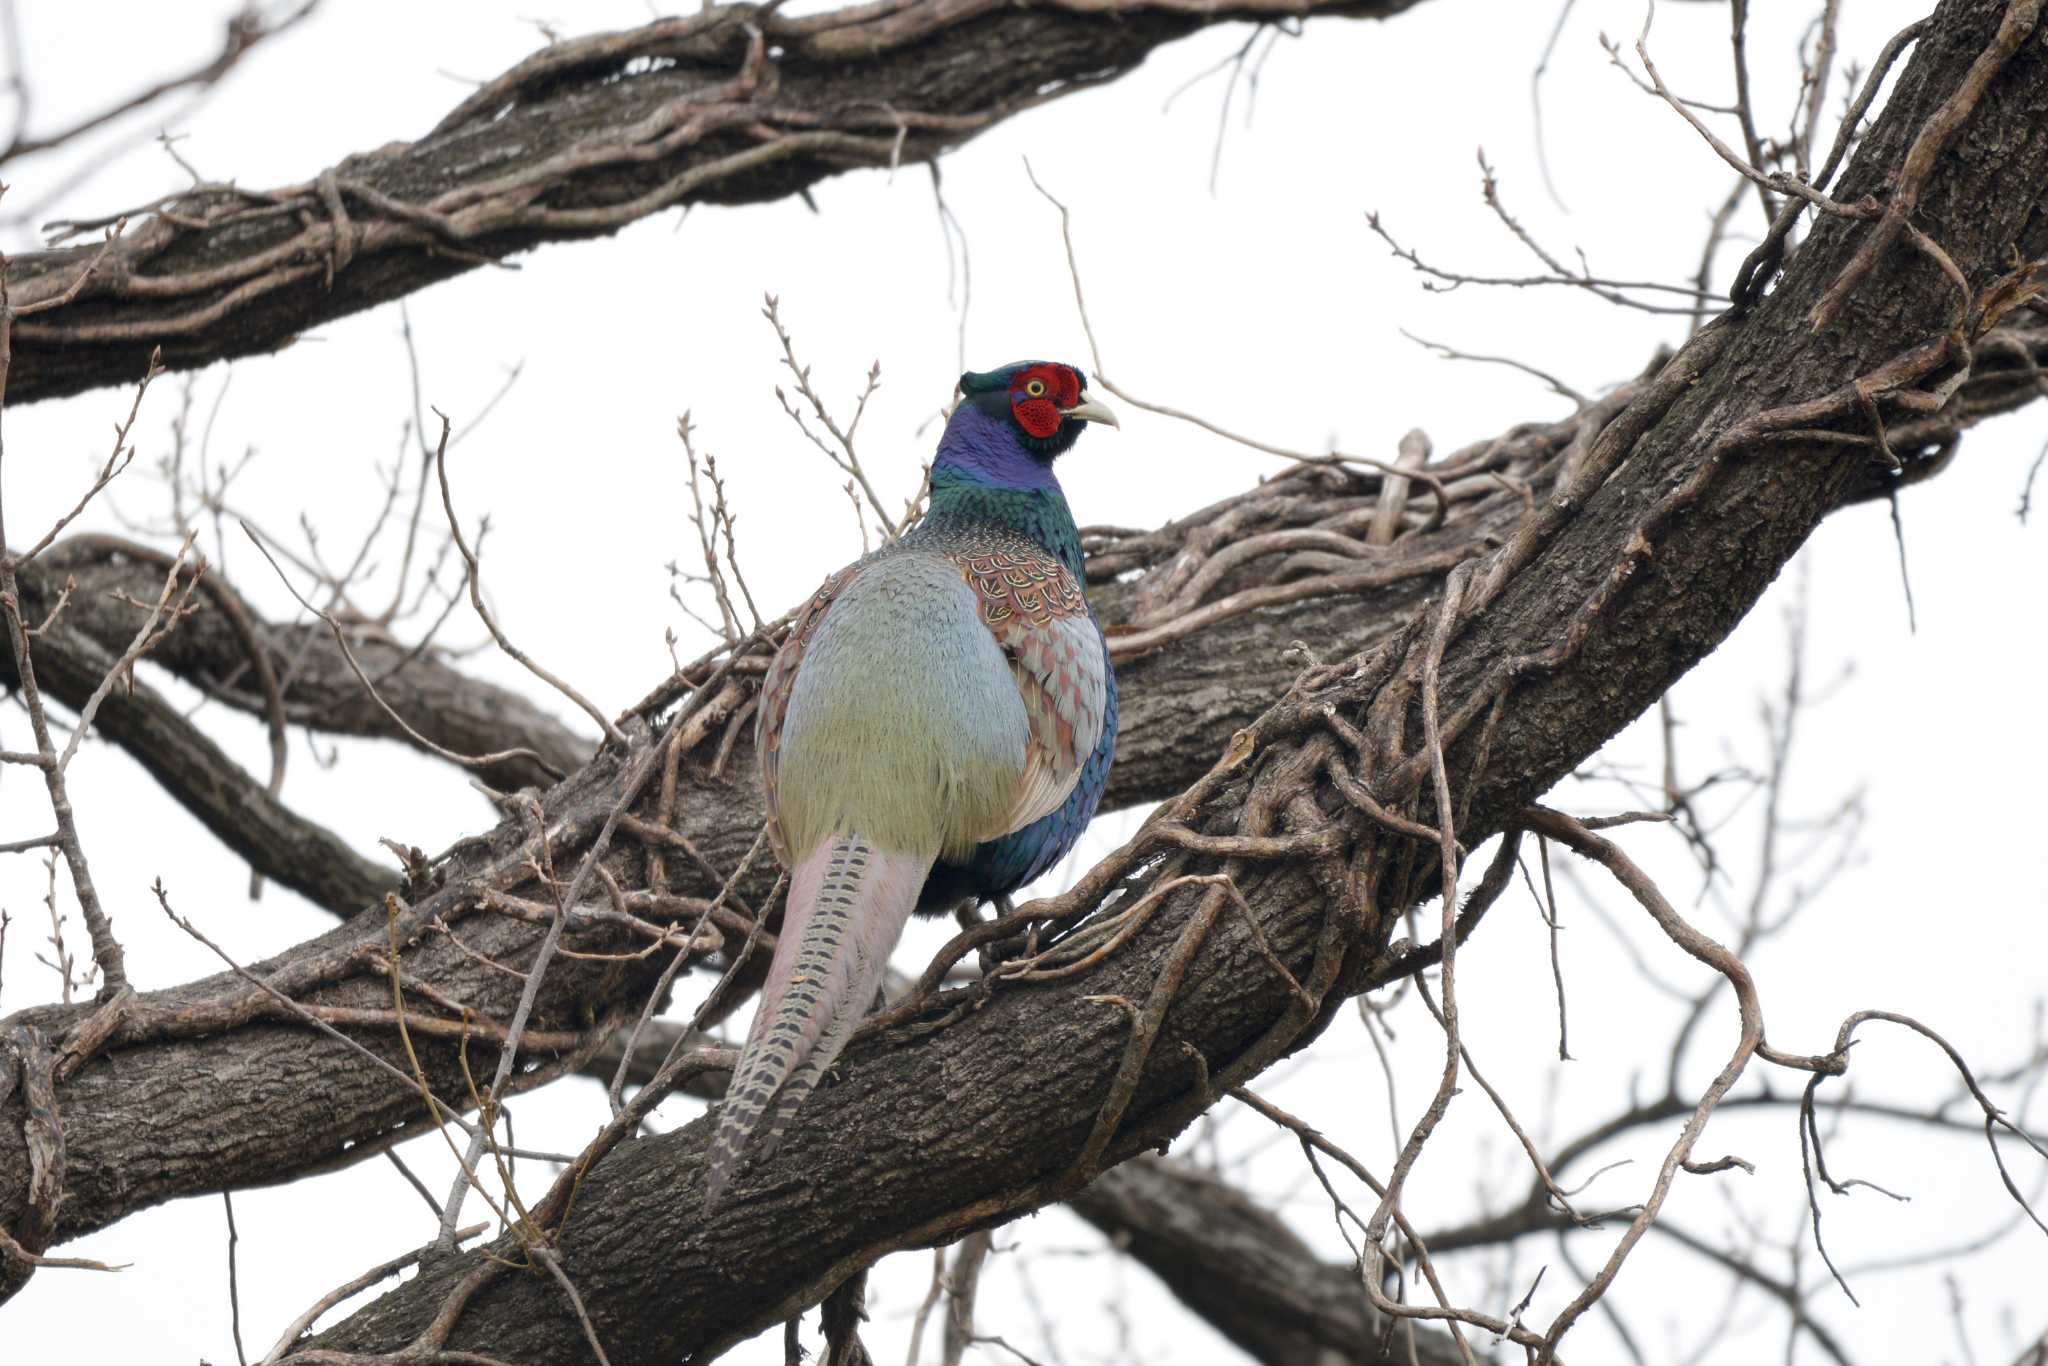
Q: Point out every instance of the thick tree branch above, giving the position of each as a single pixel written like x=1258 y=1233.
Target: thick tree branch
x=1575 y=630
x=318 y=689
x=1222 y=1255
x=71 y=663
x=1188 y=698
x=1681 y=513
x=1245 y=1272
x=1183 y=701
x=738 y=104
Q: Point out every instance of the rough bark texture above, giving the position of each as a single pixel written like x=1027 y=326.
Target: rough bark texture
x=1245 y=1272
x=318 y=689
x=1641 y=548
x=1641 y=570
x=263 y=1102
x=72 y=656
x=209 y=1090
x=578 y=141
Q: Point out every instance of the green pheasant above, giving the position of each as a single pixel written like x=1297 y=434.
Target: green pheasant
x=937 y=727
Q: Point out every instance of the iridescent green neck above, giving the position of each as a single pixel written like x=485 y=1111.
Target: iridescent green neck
x=961 y=504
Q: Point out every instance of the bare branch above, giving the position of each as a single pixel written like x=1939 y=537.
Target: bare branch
x=476 y=600
x=707 y=115
x=478 y=761
x=245 y=29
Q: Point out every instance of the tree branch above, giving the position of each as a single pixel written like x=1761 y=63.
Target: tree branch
x=319 y=690
x=738 y=104
x=1244 y=1271
x=275 y=841
x=209 y=1056
x=1679 y=516
x=1571 y=628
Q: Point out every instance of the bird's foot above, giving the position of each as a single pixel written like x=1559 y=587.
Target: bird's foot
x=997 y=952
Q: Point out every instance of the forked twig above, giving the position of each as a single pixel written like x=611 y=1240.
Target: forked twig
x=476 y=600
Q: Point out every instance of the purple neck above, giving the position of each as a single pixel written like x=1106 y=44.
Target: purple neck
x=980 y=448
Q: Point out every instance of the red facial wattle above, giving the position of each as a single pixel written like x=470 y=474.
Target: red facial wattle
x=1038 y=395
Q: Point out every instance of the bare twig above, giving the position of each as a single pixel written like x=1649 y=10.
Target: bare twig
x=1102 y=378
x=1933 y=138
x=303 y=1324
x=170 y=606
x=963 y=1279
x=245 y=29
x=840 y=450
x=234 y=1282
x=476 y=600
x=477 y=761
x=105 y=947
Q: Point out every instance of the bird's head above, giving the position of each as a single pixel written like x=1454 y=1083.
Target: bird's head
x=1011 y=424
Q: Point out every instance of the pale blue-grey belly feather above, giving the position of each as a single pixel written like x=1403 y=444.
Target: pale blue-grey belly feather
x=904 y=721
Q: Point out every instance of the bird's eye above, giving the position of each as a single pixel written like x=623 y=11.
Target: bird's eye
x=1036 y=388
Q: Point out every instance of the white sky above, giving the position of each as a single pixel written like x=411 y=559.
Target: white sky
x=1266 y=306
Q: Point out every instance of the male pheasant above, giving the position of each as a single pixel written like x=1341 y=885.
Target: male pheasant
x=938 y=726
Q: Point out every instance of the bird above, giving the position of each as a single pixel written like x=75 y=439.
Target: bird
x=937 y=727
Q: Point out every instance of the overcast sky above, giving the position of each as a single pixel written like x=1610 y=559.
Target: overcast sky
x=1266 y=306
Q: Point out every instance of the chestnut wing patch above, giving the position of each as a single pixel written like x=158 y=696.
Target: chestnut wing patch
x=1035 y=609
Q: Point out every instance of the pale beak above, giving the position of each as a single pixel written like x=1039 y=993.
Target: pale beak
x=1092 y=409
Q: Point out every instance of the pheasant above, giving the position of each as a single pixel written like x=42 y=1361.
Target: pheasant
x=937 y=727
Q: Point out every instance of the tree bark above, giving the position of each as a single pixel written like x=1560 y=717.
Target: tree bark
x=1582 y=612
x=72 y=658
x=1682 y=512
x=213 y=1088
x=739 y=104
x=1245 y=1272
x=317 y=688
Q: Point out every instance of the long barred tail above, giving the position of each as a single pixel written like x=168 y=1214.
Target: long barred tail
x=848 y=902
